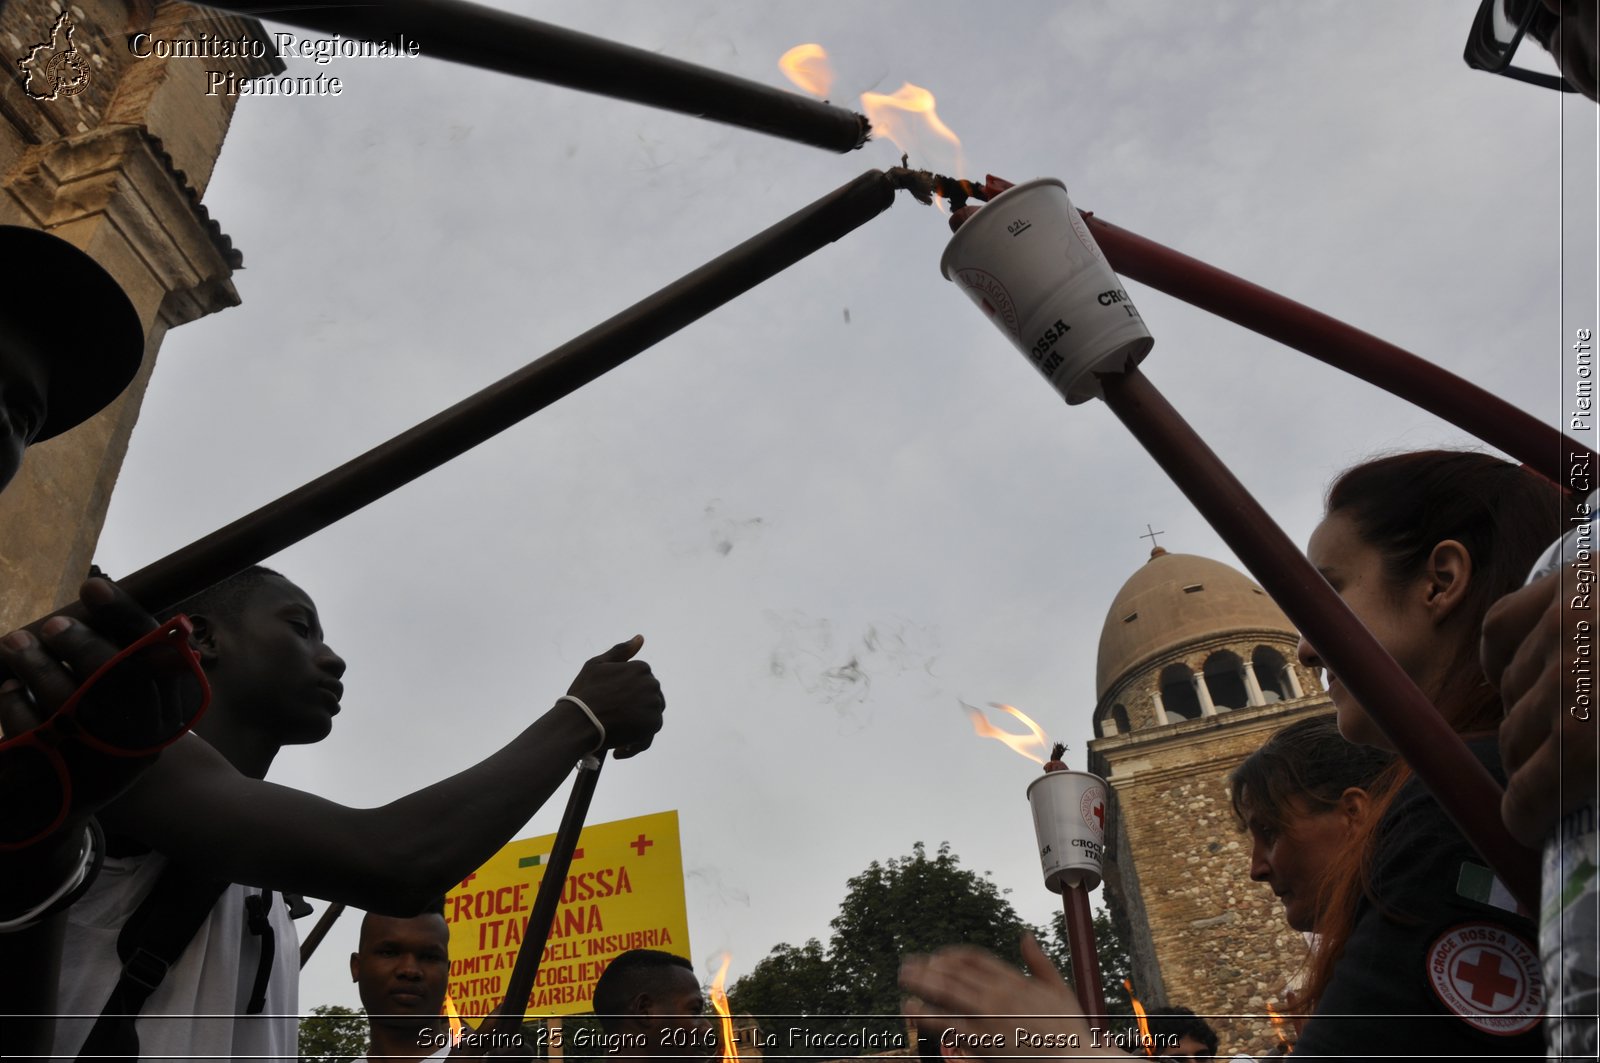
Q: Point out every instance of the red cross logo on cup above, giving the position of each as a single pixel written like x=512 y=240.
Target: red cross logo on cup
x=1092 y=806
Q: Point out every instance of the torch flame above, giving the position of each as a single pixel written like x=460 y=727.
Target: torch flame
x=455 y=1019
x=1278 y=1024
x=719 y=1003
x=807 y=66
x=907 y=117
x=1144 y=1023
x=1031 y=746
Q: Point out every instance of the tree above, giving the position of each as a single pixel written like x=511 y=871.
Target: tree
x=333 y=1034
x=849 y=992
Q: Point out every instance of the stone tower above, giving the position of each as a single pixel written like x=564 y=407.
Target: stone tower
x=110 y=148
x=1196 y=669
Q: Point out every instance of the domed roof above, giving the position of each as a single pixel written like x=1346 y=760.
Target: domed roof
x=1174 y=599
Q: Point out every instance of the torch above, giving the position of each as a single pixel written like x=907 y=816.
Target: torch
x=1069 y=810
x=1030 y=262
x=1069 y=816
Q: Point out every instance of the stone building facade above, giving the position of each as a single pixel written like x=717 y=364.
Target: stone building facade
x=113 y=153
x=1196 y=669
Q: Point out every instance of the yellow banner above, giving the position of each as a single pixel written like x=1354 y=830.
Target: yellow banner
x=624 y=891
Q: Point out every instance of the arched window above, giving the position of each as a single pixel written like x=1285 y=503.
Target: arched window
x=1177 y=693
x=1119 y=717
x=1270 y=667
x=1225 y=679
x=1113 y=721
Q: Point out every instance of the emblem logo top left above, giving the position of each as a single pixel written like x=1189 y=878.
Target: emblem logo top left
x=55 y=68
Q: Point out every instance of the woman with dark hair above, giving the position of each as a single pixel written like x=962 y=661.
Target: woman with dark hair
x=1414 y=927
x=1302 y=797
x=1420 y=952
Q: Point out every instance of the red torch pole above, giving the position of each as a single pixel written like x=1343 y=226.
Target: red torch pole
x=1085 y=960
x=1327 y=339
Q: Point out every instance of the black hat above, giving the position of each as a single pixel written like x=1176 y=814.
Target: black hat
x=86 y=328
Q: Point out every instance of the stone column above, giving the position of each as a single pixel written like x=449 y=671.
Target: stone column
x=1207 y=706
x=1292 y=677
x=1160 y=707
x=1252 y=686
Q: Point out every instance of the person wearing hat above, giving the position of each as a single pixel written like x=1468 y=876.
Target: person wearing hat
x=70 y=343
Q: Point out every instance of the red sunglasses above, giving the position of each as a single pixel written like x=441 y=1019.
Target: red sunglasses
x=35 y=785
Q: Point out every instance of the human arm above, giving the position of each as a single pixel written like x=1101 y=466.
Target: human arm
x=194 y=806
x=1539 y=651
x=47 y=671
x=985 y=1008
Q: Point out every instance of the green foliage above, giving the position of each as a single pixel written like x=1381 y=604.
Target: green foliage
x=1111 y=952
x=915 y=903
x=333 y=1034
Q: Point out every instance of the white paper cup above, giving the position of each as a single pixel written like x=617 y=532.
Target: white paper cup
x=1028 y=261
x=1069 y=810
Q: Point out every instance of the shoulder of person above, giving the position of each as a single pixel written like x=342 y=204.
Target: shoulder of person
x=179 y=783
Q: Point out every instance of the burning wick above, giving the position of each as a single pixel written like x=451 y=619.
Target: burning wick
x=1055 y=763
x=924 y=185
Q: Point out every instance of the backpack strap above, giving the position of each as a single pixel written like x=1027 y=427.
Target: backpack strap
x=258 y=912
x=151 y=941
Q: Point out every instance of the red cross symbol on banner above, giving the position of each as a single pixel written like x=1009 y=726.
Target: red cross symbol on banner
x=1485 y=978
x=1100 y=814
x=641 y=843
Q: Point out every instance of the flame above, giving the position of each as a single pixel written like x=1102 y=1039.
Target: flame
x=1031 y=746
x=455 y=1019
x=807 y=66
x=1144 y=1023
x=719 y=1003
x=908 y=118
x=1278 y=1024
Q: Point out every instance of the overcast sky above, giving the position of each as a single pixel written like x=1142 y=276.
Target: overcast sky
x=844 y=503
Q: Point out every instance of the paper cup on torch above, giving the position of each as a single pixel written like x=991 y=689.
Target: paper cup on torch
x=1069 y=816
x=1029 y=262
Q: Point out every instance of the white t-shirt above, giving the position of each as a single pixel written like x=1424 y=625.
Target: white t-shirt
x=198 y=1010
